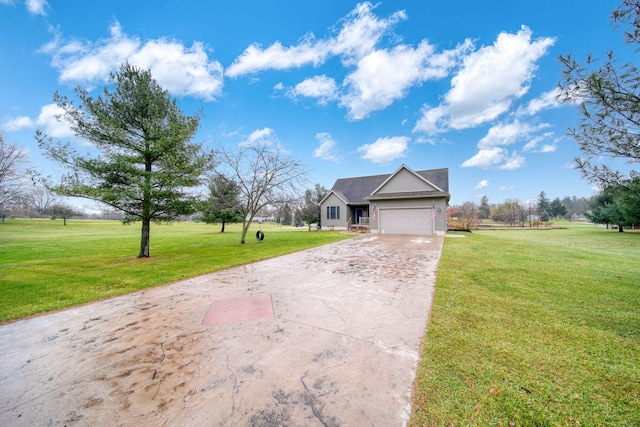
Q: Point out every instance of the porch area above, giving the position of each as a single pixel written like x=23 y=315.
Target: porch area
x=361 y=226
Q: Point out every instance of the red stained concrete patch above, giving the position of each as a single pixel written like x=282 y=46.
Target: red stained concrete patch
x=238 y=309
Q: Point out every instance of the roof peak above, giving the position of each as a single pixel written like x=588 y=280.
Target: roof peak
x=355 y=190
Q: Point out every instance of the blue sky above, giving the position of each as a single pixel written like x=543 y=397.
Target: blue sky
x=347 y=88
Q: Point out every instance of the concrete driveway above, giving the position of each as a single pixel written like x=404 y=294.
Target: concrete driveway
x=325 y=337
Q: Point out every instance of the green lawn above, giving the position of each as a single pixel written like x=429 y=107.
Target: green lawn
x=528 y=327
x=47 y=266
x=534 y=328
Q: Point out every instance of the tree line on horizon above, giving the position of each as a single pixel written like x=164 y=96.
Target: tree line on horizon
x=218 y=204
x=514 y=213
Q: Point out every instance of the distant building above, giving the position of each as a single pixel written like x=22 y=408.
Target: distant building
x=404 y=202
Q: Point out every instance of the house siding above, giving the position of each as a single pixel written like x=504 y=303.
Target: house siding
x=404 y=181
x=341 y=223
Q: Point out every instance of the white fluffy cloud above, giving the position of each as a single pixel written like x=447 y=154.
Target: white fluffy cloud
x=183 y=71
x=326 y=149
x=384 y=76
x=50 y=120
x=264 y=136
x=537 y=141
x=482 y=184
x=485 y=158
x=360 y=32
x=277 y=57
x=488 y=158
x=385 y=149
x=323 y=88
x=543 y=102
x=18 y=123
x=36 y=7
x=513 y=162
x=487 y=84
x=378 y=78
x=505 y=134
x=548 y=148
x=492 y=151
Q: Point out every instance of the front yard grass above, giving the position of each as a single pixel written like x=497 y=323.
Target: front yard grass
x=533 y=328
x=528 y=328
x=45 y=265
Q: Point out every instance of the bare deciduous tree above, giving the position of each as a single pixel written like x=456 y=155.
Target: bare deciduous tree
x=43 y=198
x=12 y=158
x=466 y=216
x=266 y=175
x=61 y=210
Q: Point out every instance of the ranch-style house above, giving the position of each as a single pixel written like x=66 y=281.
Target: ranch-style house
x=404 y=202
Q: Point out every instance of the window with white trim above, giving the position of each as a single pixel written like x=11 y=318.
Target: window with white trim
x=333 y=212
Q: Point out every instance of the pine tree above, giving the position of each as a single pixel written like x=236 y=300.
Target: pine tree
x=146 y=164
x=543 y=207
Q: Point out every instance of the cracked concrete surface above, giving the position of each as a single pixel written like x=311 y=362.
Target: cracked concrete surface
x=342 y=347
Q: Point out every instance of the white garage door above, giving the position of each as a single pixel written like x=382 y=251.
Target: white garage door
x=406 y=221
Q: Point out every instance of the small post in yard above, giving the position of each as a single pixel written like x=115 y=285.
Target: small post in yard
x=2 y=217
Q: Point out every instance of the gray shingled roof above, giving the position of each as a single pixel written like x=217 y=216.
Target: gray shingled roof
x=355 y=190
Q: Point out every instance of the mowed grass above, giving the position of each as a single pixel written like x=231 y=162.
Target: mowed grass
x=533 y=328
x=45 y=265
x=528 y=328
